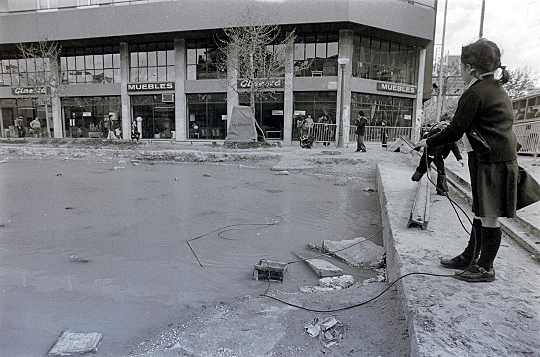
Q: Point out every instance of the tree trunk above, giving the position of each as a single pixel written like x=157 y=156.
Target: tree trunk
x=47 y=120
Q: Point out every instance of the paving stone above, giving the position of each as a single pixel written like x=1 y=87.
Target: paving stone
x=74 y=343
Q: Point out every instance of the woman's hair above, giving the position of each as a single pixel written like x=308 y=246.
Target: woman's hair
x=484 y=56
x=361 y=113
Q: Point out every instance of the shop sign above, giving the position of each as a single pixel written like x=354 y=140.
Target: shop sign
x=137 y=87
x=262 y=83
x=398 y=88
x=28 y=90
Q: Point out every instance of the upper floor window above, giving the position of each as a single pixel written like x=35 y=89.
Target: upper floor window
x=152 y=62
x=25 y=72
x=98 y=64
x=204 y=60
x=316 y=54
x=384 y=60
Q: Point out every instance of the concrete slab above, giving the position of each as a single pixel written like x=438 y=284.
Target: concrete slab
x=320 y=266
x=74 y=343
x=358 y=252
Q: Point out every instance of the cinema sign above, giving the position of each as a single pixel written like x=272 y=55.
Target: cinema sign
x=261 y=83
x=29 y=91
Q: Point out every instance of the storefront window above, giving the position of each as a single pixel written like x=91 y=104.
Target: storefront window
x=383 y=60
x=204 y=60
x=91 y=117
x=158 y=119
x=394 y=111
x=152 y=62
x=207 y=116
x=268 y=113
x=316 y=55
x=315 y=104
x=98 y=64
x=24 y=110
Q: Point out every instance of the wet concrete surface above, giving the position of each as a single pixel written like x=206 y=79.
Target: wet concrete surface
x=102 y=244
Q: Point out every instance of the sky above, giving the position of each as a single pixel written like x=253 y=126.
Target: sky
x=514 y=25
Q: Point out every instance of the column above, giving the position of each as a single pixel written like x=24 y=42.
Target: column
x=124 y=97
x=346 y=48
x=180 y=105
x=288 y=95
x=418 y=102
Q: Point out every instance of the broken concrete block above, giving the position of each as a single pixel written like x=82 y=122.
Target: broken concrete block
x=76 y=343
x=357 y=252
x=324 y=268
x=321 y=266
x=337 y=282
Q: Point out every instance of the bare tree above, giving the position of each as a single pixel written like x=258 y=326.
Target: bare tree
x=258 y=53
x=43 y=81
x=521 y=83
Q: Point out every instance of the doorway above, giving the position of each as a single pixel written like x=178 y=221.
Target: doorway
x=158 y=118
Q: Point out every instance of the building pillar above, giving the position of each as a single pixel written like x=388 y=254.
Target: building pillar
x=181 y=124
x=419 y=101
x=232 y=85
x=288 y=95
x=124 y=97
x=346 y=49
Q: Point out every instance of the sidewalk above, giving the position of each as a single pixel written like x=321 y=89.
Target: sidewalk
x=446 y=317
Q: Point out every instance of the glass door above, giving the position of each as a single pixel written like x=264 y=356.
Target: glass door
x=158 y=120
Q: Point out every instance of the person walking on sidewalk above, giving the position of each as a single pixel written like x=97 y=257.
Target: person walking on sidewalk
x=437 y=155
x=484 y=114
x=384 y=134
x=360 y=123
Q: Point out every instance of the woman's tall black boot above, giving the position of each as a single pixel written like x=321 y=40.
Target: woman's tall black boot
x=471 y=252
x=483 y=271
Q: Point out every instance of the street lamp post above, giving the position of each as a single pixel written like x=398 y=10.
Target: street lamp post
x=343 y=61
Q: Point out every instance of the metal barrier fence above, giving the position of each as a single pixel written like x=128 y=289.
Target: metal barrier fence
x=528 y=135
x=327 y=132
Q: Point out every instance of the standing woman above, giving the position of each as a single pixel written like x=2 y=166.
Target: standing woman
x=484 y=115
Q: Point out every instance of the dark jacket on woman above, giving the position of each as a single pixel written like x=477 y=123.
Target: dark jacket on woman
x=484 y=114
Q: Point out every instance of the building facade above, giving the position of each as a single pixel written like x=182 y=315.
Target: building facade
x=155 y=65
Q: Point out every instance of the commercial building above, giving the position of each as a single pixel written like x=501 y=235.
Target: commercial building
x=158 y=61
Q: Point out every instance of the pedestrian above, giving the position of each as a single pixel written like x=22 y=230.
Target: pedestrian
x=324 y=130
x=484 y=114
x=35 y=125
x=384 y=134
x=19 y=126
x=308 y=125
x=437 y=155
x=300 y=125
x=360 y=123
x=118 y=132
